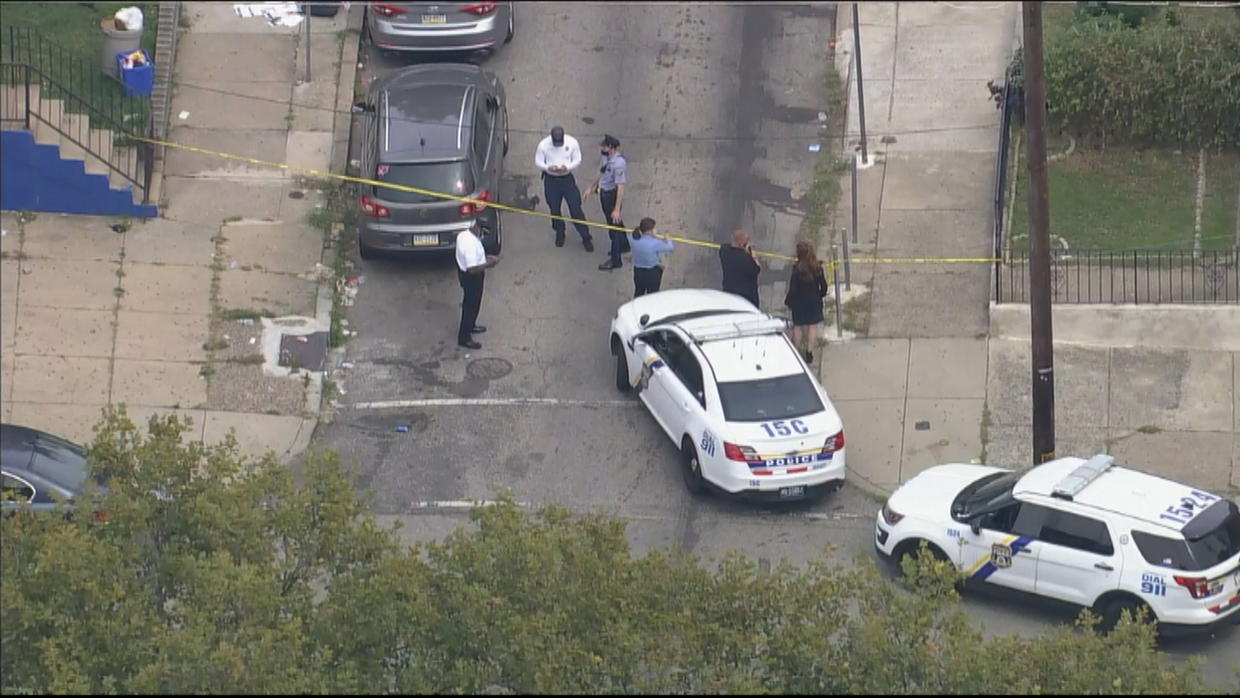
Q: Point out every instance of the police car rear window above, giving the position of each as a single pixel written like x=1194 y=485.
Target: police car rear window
x=769 y=398
x=1217 y=546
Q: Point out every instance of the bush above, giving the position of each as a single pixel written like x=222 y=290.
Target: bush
x=1156 y=85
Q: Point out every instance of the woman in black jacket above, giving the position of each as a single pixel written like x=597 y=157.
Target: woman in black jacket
x=806 y=288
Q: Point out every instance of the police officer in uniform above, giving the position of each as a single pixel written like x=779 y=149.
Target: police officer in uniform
x=613 y=173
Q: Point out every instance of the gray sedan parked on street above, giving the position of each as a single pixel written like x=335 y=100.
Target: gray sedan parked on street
x=439 y=127
x=439 y=26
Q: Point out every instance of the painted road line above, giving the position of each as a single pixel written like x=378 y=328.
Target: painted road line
x=491 y=402
x=466 y=505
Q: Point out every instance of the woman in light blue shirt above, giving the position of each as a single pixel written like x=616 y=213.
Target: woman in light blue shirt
x=648 y=250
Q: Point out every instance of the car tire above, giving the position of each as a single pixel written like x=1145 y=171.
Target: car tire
x=504 y=152
x=913 y=549
x=365 y=252
x=694 y=482
x=1113 y=610
x=512 y=22
x=622 y=370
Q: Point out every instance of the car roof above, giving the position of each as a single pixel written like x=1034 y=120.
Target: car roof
x=1118 y=490
x=30 y=452
x=426 y=113
x=751 y=358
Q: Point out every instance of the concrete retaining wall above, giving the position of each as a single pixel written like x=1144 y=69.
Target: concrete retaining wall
x=1214 y=327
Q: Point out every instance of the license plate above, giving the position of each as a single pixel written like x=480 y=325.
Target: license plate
x=434 y=19
x=795 y=491
x=425 y=240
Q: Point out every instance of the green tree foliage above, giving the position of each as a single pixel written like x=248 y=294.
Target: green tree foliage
x=1159 y=84
x=214 y=574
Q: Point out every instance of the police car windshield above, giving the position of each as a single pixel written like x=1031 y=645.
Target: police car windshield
x=769 y=398
x=986 y=494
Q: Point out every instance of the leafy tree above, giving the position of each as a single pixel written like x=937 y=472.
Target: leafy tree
x=216 y=574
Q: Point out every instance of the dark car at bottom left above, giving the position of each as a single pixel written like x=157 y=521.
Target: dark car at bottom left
x=39 y=469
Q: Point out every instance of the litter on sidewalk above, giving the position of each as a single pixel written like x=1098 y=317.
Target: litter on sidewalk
x=278 y=14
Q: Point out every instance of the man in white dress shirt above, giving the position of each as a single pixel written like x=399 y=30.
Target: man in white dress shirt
x=472 y=263
x=557 y=156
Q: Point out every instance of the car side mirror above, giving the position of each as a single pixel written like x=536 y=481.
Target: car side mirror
x=975 y=525
x=362 y=108
x=643 y=320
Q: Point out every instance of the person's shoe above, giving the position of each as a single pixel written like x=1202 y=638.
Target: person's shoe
x=479 y=329
x=588 y=244
x=809 y=357
x=608 y=266
x=471 y=344
x=559 y=239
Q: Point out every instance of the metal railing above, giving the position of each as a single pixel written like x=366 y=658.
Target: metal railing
x=35 y=100
x=1001 y=168
x=1127 y=276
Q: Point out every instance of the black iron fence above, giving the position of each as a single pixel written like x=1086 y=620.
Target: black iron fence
x=37 y=101
x=1001 y=169
x=1126 y=276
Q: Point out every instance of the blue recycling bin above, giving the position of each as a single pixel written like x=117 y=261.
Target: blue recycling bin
x=138 y=80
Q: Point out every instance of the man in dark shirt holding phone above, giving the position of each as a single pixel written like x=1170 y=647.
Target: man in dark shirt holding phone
x=740 y=267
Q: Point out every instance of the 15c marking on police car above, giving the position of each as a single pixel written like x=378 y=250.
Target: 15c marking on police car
x=1188 y=507
x=784 y=427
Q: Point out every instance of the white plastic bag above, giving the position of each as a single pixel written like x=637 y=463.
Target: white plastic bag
x=128 y=19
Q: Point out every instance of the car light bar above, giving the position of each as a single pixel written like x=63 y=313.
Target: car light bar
x=1080 y=478
x=735 y=330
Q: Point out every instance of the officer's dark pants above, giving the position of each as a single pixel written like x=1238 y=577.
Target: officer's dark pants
x=563 y=189
x=471 y=284
x=647 y=280
x=608 y=201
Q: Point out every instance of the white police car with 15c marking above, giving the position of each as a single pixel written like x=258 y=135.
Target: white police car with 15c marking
x=723 y=381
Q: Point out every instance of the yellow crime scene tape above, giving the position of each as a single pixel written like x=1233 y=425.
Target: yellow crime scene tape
x=531 y=212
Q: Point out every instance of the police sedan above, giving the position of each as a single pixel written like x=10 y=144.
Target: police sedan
x=726 y=384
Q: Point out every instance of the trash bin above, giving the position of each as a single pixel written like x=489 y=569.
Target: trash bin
x=139 y=79
x=117 y=41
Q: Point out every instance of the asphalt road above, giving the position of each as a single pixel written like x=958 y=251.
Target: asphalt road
x=715 y=106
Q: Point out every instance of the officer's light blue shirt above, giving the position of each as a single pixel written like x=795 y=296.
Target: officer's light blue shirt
x=616 y=169
x=648 y=249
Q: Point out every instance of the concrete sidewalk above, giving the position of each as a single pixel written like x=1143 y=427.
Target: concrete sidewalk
x=942 y=375
x=153 y=316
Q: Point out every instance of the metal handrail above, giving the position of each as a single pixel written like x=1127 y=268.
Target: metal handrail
x=135 y=165
x=1134 y=275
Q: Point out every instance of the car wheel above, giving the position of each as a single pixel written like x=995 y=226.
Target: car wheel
x=365 y=252
x=512 y=11
x=1113 y=610
x=912 y=549
x=504 y=153
x=622 y=370
x=694 y=481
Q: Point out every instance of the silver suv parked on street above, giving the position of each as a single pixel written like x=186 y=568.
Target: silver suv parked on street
x=439 y=127
x=439 y=26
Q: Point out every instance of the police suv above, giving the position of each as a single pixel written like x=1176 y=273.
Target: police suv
x=1085 y=532
x=732 y=392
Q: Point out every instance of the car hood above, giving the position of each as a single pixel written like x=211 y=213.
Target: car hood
x=929 y=495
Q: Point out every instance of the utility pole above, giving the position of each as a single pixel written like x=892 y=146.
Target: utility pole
x=1043 y=348
x=860 y=90
x=305 y=9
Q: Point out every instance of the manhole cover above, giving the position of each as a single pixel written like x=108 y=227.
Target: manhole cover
x=309 y=354
x=488 y=369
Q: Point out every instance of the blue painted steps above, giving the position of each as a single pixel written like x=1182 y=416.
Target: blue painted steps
x=37 y=177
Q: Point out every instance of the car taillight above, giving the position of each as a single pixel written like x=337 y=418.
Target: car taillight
x=834 y=442
x=374 y=210
x=739 y=453
x=1199 y=587
x=386 y=10
x=481 y=9
x=890 y=516
x=472 y=208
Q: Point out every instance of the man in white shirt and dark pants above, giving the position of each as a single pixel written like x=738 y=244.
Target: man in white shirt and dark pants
x=472 y=263
x=557 y=156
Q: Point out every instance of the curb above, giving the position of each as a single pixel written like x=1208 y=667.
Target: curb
x=341 y=129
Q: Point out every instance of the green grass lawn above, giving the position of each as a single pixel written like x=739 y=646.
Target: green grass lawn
x=1057 y=15
x=75 y=26
x=1124 y=198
